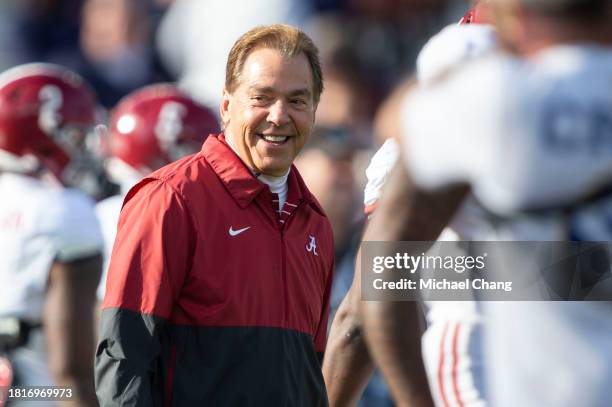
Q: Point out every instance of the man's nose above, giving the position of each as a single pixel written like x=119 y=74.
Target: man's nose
x=278 y=113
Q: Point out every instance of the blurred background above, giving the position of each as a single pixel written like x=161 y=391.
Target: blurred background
x=367 y=47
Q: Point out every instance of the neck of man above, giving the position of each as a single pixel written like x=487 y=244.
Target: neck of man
x=278 y=185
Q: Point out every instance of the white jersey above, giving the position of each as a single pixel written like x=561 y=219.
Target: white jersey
x=378 y=171
x=108 y=211
x=527 y=134
x=39 y=224
x=453 y=46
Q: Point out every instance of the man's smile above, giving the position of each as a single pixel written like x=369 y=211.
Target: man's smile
x=274 y=138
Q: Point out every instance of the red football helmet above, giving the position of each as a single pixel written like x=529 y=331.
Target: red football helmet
x=479 y=14
x=156 y=125
x=47 y=117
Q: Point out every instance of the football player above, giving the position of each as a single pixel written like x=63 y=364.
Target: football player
x=50 y=240
x=452 y=342
x=532 y=143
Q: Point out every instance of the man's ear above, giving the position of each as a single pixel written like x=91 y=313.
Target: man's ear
x=224 y=108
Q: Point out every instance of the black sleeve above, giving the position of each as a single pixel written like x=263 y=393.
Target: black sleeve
x=127 y=371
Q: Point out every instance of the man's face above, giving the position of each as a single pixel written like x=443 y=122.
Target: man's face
x=270 y=114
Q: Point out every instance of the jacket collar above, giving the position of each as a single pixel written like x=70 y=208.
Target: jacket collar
x=299 y=191
x=240 y=181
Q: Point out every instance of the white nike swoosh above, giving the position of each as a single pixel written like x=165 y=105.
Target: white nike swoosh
x=233 y=232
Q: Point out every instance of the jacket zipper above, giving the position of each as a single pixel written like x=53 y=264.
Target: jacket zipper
x=284 y=274
x=284 y=262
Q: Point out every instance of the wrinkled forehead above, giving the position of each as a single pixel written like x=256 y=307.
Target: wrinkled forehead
x=268 y=65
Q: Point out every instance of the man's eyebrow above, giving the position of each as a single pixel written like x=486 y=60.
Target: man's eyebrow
x=261 y=89
x=269 y=89
x=300 y=92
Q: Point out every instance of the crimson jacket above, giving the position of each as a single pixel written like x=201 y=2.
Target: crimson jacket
x=212 y=299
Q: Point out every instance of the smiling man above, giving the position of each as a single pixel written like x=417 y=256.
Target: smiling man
x=269 y=109
x=219 y=281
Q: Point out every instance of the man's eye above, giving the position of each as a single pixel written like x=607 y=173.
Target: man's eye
x=259 y=98
x=298 y=102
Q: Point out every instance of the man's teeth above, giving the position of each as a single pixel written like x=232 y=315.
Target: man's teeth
x=275 y=139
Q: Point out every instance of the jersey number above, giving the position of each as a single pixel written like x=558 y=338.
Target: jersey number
x=570 y=126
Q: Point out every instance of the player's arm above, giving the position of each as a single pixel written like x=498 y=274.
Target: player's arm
x=440 y=150
x=405 y=213
x=150 y=260
x=347 y=366
x=68 y=321
x=320 y=337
